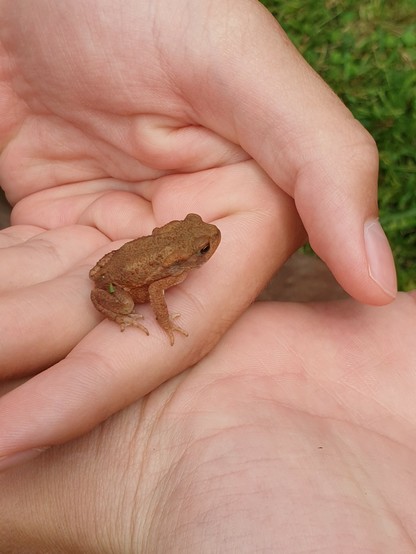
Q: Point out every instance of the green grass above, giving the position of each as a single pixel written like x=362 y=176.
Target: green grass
x=366 y=51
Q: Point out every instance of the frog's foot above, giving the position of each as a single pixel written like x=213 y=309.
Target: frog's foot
x=173 y=327
x=130 y=320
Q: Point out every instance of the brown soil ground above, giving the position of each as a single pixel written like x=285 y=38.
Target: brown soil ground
x=301 y=279
x=4 y=211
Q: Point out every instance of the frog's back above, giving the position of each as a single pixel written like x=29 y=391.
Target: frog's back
x=138 y=262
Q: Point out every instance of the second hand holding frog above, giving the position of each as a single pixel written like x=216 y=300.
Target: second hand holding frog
x=142 y=269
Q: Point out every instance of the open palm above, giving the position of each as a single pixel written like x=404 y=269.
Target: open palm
x=295 y=434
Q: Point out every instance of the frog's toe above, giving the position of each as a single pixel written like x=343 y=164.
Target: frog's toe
x=173 y=327
x=131 y=320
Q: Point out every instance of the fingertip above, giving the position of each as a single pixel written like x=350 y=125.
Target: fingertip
x=12 y=460
x=361 y=261
x=380 y=260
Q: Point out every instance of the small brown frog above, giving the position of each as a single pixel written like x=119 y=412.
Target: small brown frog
x=142 y=269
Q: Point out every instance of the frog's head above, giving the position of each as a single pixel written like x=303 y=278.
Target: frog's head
x=196 y=241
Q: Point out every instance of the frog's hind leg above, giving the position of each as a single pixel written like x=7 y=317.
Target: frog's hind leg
x=118 y=306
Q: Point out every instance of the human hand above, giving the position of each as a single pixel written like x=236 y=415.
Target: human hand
x=112 y=122
x=119 y=98
x=295 y=433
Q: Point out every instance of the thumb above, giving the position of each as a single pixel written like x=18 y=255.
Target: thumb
x=296 y=128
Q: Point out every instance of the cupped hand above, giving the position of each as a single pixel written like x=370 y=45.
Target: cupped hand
x=294 y=434
x=116 y=119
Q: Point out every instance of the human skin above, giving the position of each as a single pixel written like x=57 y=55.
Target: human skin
x=295 y=434
x=116 y=118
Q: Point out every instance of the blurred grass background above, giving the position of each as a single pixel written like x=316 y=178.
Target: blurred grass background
x=366 y=51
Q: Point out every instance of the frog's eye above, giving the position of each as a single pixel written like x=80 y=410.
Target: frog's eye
x=205 y=249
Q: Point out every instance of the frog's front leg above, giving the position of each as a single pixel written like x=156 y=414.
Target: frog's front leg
x=118 y=305
x=158 y=302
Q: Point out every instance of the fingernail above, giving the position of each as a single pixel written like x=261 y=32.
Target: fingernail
x=6 y=462
x=379 y=257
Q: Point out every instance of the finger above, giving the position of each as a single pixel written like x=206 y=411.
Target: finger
x=16 y=234
x=30 y=257
x=41 y=323
x=109 y=369
x=308 y=142
x=66 y=206
x=212 y=193
x=170 y=144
